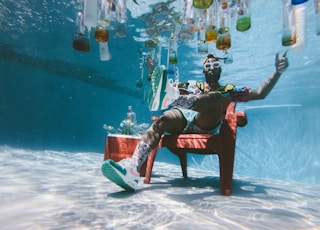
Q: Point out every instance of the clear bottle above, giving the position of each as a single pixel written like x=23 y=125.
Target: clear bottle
x=188 y=22
x=244 y=17
x=299 y=8
x=224 y=17
x=90 y=13
x=288 y=26
x=131 y=116
x=202 y=44
x=81 y=38
x=120 y=19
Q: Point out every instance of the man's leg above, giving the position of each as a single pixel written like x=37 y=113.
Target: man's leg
x=199 y=103
x=125 y=173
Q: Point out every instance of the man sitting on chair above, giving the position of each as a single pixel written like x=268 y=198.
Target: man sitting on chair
x=197 y=110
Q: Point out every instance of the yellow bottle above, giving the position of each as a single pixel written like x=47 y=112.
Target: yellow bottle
x=224 y=37
x=211 y=33
x=202 y=4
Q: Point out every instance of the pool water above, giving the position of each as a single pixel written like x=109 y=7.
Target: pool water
x=54 y=101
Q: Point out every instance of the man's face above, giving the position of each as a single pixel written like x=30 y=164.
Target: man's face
x=212 y=71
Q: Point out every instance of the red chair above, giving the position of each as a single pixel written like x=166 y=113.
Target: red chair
x=222 y=144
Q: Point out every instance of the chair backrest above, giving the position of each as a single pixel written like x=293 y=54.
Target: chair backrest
x=225 y=104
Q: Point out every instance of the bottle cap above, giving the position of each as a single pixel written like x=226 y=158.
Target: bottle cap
x=297 y=2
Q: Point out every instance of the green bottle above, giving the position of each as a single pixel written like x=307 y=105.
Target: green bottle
x=244 y=18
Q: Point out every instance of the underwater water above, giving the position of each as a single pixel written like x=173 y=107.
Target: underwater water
x=54 y=101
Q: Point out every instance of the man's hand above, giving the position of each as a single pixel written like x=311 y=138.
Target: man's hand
x=282 y=63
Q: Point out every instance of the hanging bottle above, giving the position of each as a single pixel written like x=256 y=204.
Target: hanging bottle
x=211 y=23
x=81 y=38
x=101 y=33
x=150 y=63
x=202 y=4
x=202 y=44
x=317 y=15
x=288 y=27
x=173 y=53
x=188 y=22
x=139 y=82
x=244 y=17
x=299 y=8
x=90 y=13
x=120 y=19
x=224 y=37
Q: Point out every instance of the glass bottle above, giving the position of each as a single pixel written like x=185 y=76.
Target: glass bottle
x=211 y=24
x=288 y=27
x=90 y=13
x=202 y=44
x=81 y=38
x=299 y=8
x=101 y=33
x=202 y=4
x=244 y=17
x=188 y=22
x=120 y=19
x=131 y=116
x=173 y=54
x=224 y=37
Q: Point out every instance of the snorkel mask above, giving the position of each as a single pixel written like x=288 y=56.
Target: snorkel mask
x=211 y=61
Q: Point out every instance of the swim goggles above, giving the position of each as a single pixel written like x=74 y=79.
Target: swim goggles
x=209 y=65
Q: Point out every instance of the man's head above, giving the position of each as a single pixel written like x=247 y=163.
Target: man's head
x=211 y=69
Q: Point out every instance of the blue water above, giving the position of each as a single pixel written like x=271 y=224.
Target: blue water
x=54 y=98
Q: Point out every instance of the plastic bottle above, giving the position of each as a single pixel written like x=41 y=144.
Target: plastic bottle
x=81 y=38
x=224 y=37
x=244 y=17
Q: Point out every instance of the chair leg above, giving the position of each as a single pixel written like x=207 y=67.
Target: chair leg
x=226 y=162
x=150 y=161
x=183 y=160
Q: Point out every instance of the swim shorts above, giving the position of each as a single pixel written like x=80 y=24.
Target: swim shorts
x=191 y=127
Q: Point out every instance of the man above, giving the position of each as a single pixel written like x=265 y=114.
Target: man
x=197 y=110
